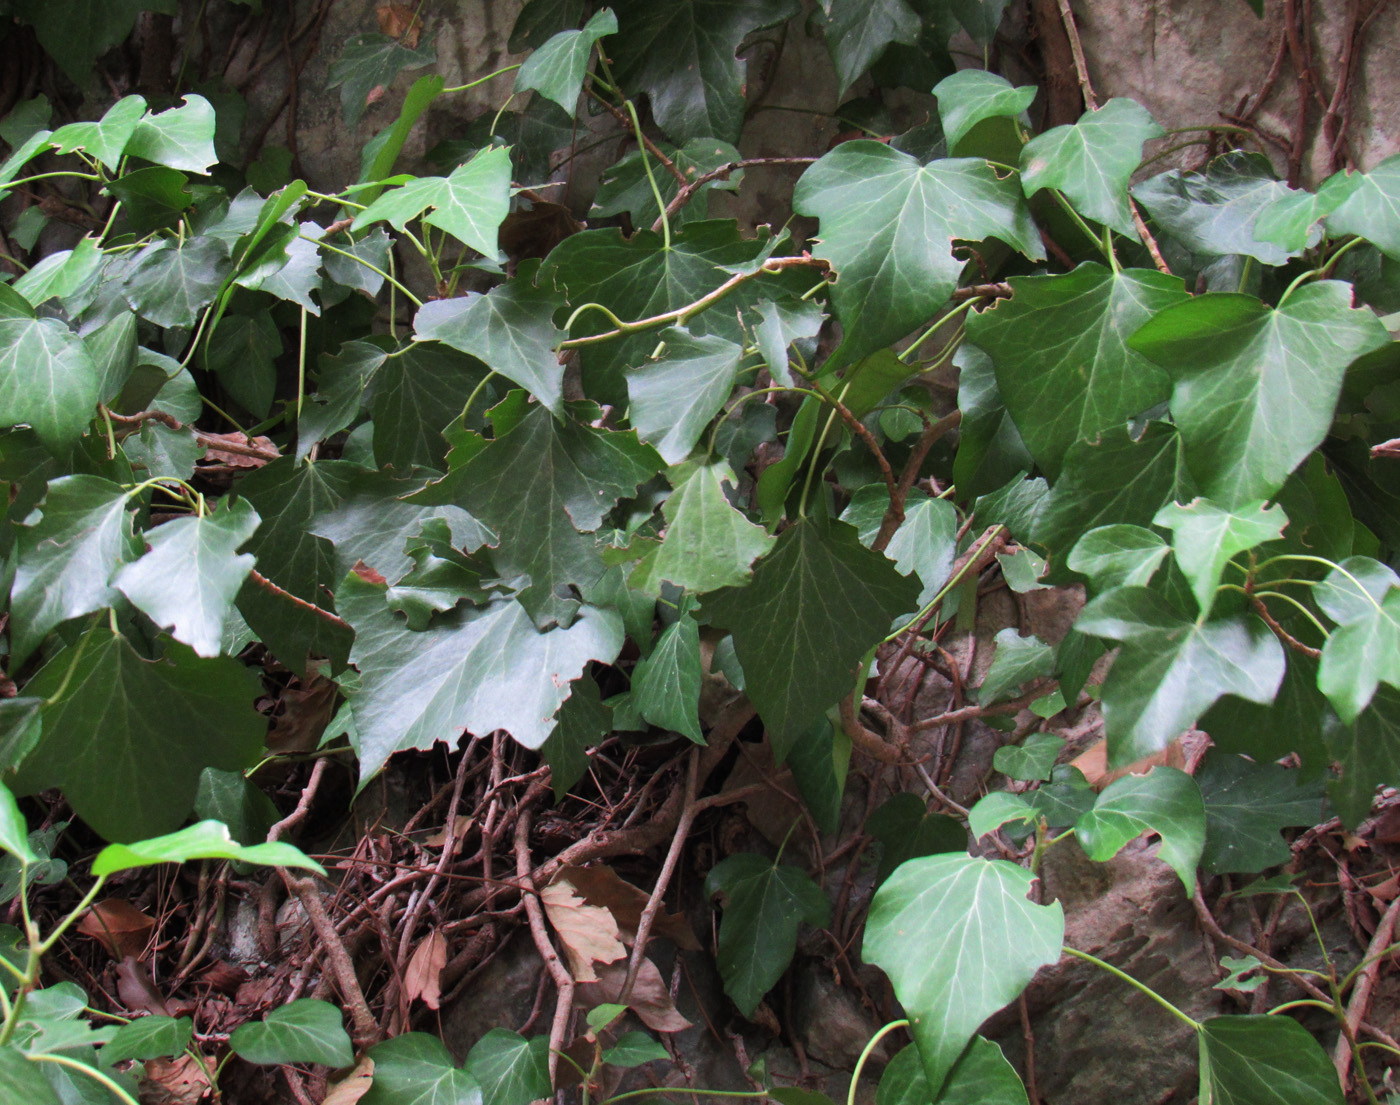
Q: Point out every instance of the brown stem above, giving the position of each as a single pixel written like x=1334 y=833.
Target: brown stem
x=563 y=980
x=365 y=1027
x=1148 y=240
x=1361 y=995
x=1281 y=633
x=651 y=147
x=1081 y=68
x=272 y=588
x=687 y=193
x=966 y=713
x=894 y=516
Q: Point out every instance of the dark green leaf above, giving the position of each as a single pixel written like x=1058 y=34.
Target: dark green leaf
x=110 y=689
x=556 y=69
x=972 y=95
x=47 y=379
x=1368 y=752
x=159 y=451
x=152 y=198
x=990 y=449
x=180 y=138
x=906 y=830
x=1206 y=536
x=888 y=225
x=583 y=721
x=75 y=33
x=980 y=939
x=765 y=904
x=305 y=1031
x=1293 y=723
x=540 y=19
x=675 y=396
x=170 y=282
x=348 y=271
x=1165 y=801
x=625 y=186
x=369 y=62
x=1063 y=364
x=153 y=1037
x=818 y=602
x=926 y=541
x=1263 y=1060
x=859 y=32
x=981 y=1076
x=243 y=350
x=666 y=685
x=1016 y=661
x=417 y=1069
x=413 y=397
x=510 y=1069
x=1247 y=805
x=230 y=797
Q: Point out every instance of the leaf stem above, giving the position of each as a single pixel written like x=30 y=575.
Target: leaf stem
x=651 y=178
x=1131 y=981
x=1084 y=227
x=954 y=313
x=372 y=267
x=989 y=538
x=92 y=1072
x=865 y=1055
x=1319 y=271
x=10 y=185
x=480 y=80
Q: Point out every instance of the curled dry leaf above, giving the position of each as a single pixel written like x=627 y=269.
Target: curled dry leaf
x=118 y=926
x=589 y=933
x=137 y=991
x=650 y=999
x=183 y=1080
x=600 y=885
x=242 y=451
x=423 y=978
x=353 y=1086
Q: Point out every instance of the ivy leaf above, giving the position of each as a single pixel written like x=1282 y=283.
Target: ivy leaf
x=766 y=903
x=299 y=276
x=303 y=1031
x=1118 y=556
x=708 y=544
x=981 y=940
x=888 y=225
x=510 y=329
x=170 y=282
x=1255 y=387
x=180 y=138
x=1368 y=751
x=1372 y=210
x=634 y=1049
x=666 y=685
x=583 y=721
x=348 y=272
x=151 y=1037
x=1165 y=801
x=476 y=668
x=61 y=274
x=469 y=204
x=189 y=579
x=48 y=380
x=413 y=398
x=1060 y=347
x=1114 y=479
x=971 y=95
x=1290 y=221
x=1017 y=661
x=21 y=1079
x=537 y=485
x=859 y=31
x=417 y=1069
x=64 y=556
x=75 y=33
x=675 y=396
x=1206 y=536
x=14 y=832
x=1215 y=212
x=906 y=830
x=981 y=1076
x=510 y=1069
x=1032 y=759
x=682 y=55
x=107 y=688
x=152 y=198
x=1247 y=804
x=1295 y=722
x=556 y=69
x=925 y=543
x=818 y=602
x=1264 y=1060
x=1172 y=668
x=105 y=140
x=1091 y=161
x=369 y=62
x=625 y=186
x=1363 y=597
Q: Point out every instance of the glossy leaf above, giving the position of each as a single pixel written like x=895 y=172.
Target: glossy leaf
x=818 y=602
x=304 y=1031
x=48 y=380
x=413 y=398
x=417 y=1069
x=666 y=685
x=765 y=903
x=1118 y=556
x=105 y=139
x=926 y=541
x=151 y=1037
x=858 y=32
x=981 y=1076
x=981 y=938
x=1165 y=801
x=204 y=840
x=1363 y=597
x=971 y=95
x=22 y=1079
x=14 y=833
x=1033 y=758
x=510 y=1069
x=1247 y=805
x=906 y=830
x=556 y=69
x=1206 y=536
x=1371 y=210
x=171 y=282
x=181 y=138
x=676 y=395
x=1290 y=221
x=888 y=225
x=1063 y=364
x=1263 y=1060
x=626 y=188
x=1255 y=388
x=61 y=274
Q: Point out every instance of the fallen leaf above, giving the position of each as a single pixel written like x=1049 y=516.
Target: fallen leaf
x=224 y=976
x=183 y=1080
x=353 y=1086
x=600 y=885
x=118 y=926
x=136 y=989
x=461 y=828
x=650 y=999
x=423 y=978
x=1093 y=762
x=239 y=456
x=306 y=710
x=401 y=22
x=589 y=932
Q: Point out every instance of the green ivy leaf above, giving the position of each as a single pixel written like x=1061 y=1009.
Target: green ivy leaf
x=14 y=832
x=1290 y=221
x=188 y=580
x=1033 y=758
x=556 y=69
x=152 y=198
x=22 y=1079
x=981 y=940
x=1263 y=1060
x=1118 y=556
x=510 y=329
x=925 y=543
x=304 y=1031
x=766 y=903
x=1368 y=751
x=105 y=140
x=981 y=1076
x=1294 y=723
x=682 y=55
x=242 y=351
x=61 y=274
x=634 y=1049
x=1172 y=668
x=1063 y=364
x=1092 y=161
x=990 y=449
x=1363 y=597
x=75 y=33
x=888 y=225
x=675 y=396
x=971 y=95
x=510 y=1069
x=180 y=138
x=299 y=276
x=1206 y=536
x=818 y=602
x=48 y=379
x=1165 y=801
x=626 y=189
x=1372 y=209
x=229 y=797
x=110 y=689
x=170 y=282
x=151 y=1037
x=368 y=62
x=666 y=685
x=469 y=204
x=1016 y=661
x=65 y=555
x=1247 y=804
x=204 y=840
x=859 y=31
x=414 y=397
x=583 y=721
x=417 y=1069
x=708 y=544
x=906 y=830
x=478 y=668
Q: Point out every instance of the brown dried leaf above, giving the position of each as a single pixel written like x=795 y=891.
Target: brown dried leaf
x=423 y=978
x=118 y=926
x=589 y=933
x=353 y=1086
x=180 y=1081
x=136 y=989
x=242 y=446
x=650 y=999
x=602 y=886
x=400 y=21
x=306 y=711
x=224 y=976
x=1093 y=762
x=536 y=230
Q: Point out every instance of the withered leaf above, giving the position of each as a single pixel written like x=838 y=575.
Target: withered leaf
x=423 y=978
x=118 y=926
x=589 y=933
